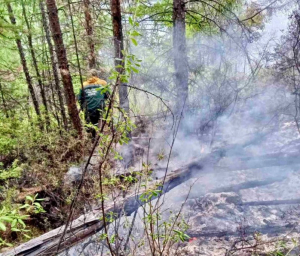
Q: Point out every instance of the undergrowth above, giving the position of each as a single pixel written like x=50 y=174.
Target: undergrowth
x=33 y=159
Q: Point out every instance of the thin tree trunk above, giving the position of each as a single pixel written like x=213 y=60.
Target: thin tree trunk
x=89 y=32
x=119 y=47
x=24 y=64
x=63 y=65
x=47 y=76
x=4 y=102
x=75 y=42
x=180 y=54
x=54 y=109
x=35 y=65
x=53 y=64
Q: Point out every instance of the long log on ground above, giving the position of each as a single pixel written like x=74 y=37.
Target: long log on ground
x=271 y=202
x=271 y=230
x=268 y=160
x=248 y=185
x=238 y=187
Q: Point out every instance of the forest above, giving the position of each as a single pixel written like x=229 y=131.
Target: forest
x=149 y=127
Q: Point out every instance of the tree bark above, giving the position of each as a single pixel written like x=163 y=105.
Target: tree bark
x=53 y=64
x=35 y=65
x=180 y=54
x=75 y=43
x=63 y=65
x=89 y=32
x=24 y=64
x=4 y=102
x=119 y=47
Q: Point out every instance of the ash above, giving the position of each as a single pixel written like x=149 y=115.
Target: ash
x=245 y=203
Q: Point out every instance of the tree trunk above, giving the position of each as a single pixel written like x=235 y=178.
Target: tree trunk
x=89 y=32
x=53 y=64
x=24 y=64
x=4 y=102
x=119 y=47
x=35 y=65
x=75 y=43
x=180 y=54
x=63 y=65
x=47 y=76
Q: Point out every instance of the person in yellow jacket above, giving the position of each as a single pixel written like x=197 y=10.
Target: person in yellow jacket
x=92 y=98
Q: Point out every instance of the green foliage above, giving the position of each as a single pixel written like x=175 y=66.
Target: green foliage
x=130 y=179
x=253 y=17
x=35 y=147
x=14 y=171
x=9 y=130
x=150 y=195
x=284 y=248
x=179 y=235
x=161 y=155
x=201 y=16
x=13 y=218
x=133 y=33
x=14 y=221
x=32 y=205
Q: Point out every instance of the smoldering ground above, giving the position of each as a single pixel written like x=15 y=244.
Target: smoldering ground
x=247 y=123
x=256 y=140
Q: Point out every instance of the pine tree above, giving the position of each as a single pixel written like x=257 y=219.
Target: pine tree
x=63 y=65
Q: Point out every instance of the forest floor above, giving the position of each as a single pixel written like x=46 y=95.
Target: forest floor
x=248 y=203
x=245 y=203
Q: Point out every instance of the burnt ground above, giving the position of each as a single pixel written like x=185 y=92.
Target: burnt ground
x=249 y=202
x=244 y=199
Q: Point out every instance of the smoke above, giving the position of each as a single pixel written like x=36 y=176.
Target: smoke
x=230 y=111
x=246 y=120
x=252 y=119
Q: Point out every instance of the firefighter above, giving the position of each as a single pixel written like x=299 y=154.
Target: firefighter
x=92 y=98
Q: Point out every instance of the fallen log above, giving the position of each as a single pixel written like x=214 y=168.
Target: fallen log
x=248 y=231
x=90 y=223
x=248 y=185
x=267 y=160
x=271 y=202
x=237 y=187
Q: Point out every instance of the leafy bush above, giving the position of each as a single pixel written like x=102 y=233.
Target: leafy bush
x=13 y=220
x=13 y=172
x=32 y=205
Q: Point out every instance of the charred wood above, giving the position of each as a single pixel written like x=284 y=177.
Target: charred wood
x=247 y=185
x=272 y=230
x=272 y=202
